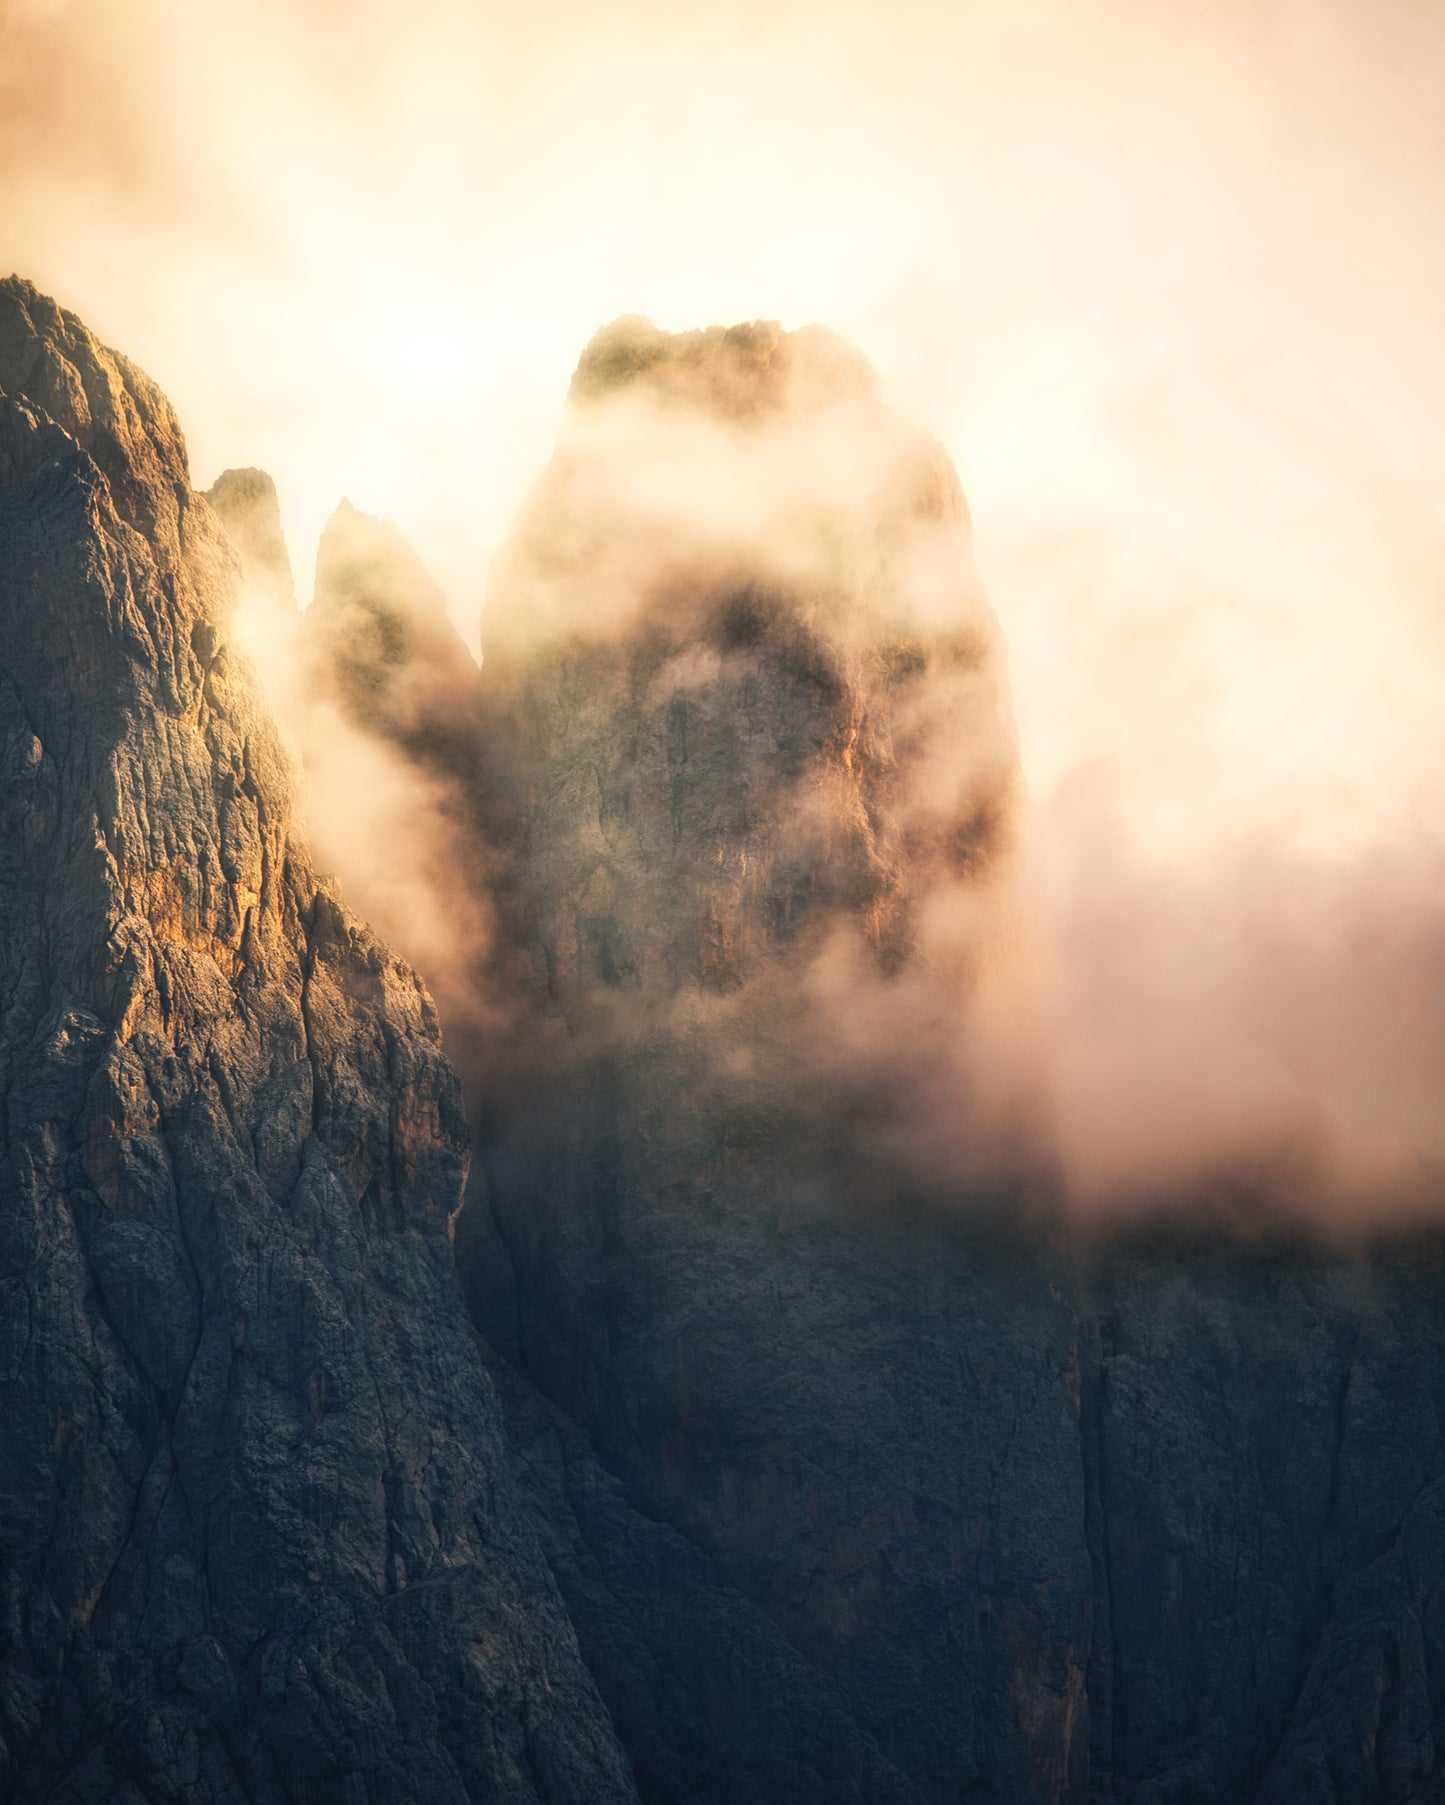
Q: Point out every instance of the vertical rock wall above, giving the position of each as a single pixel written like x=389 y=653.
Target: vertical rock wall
x=258 y=1539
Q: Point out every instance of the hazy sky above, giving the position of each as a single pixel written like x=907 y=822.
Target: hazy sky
x=1166 y=280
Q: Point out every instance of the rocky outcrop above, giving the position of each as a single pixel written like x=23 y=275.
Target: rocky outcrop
x=250 y=511
x=709 y=1697
x=258 y=1536
x=752 y=774
x=379 y=638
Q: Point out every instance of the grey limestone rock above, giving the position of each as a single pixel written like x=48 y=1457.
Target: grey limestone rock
x=750 y=735
x=379 y=638
x=250 y=510
x=258 y=1534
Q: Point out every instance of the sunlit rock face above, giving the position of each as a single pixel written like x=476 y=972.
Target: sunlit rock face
x=751 y=799
x=258 y=1538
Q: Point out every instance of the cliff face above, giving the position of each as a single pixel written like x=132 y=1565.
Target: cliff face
x=929 y=1509
x=250 y=511
x=752 y=790
x=804 y=1456
x=258 y=1538
x=1265 y=1448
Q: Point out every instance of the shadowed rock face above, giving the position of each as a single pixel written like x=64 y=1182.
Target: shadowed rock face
x=379 y=642
x=750 y=741
x=1263 y=1430
x=988 y=1519
x=258 y=1538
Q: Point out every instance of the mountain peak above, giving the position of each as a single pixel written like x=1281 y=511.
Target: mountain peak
x=379 y=634
x=247 y=503
x=108 y=405
x=732 y=371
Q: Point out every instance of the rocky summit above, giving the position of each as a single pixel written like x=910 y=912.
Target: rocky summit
x=747 y=1422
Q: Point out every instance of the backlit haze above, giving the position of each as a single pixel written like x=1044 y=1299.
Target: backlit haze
x=1166 y=281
